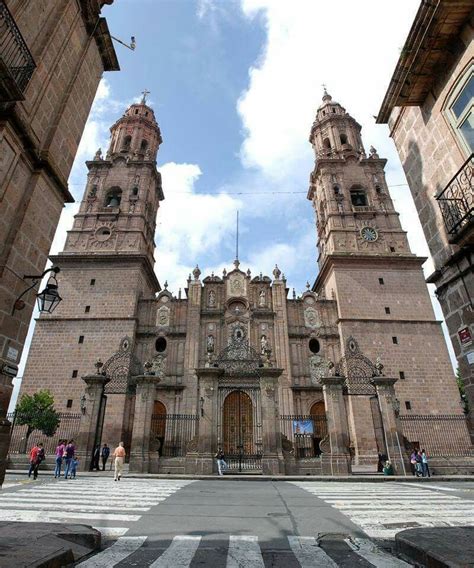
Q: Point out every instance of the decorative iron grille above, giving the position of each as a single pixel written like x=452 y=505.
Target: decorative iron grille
x=67 y=429
x=440 y=435
x=305 y=433
x=120 y=368
x=457 y=199
x=16 y=62
x=357 y=369
x=239 y=359
x=171 y=434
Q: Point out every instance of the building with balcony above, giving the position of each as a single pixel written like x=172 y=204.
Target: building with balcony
x=52 y=56
x=429 y=107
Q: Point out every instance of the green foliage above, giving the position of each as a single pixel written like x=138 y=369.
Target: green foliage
x=38 y=413
x=462 y=391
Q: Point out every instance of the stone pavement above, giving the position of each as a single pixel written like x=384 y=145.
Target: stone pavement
x=45 y=545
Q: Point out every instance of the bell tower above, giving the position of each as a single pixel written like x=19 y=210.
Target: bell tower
x=366 y=265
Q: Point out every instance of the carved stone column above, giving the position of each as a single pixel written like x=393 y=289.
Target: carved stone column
x=92 y=414
x=272 y=460
x=144 y=403
x=202 y=460
x=391 y=424
x=337 y=462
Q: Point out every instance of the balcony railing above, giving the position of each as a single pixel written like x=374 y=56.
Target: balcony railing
x=16 y=63
x=457 y=199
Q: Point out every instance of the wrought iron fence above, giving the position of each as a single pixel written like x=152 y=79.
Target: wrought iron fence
x=457 y=199
x=440 y=435
x=171 y=433
x=305 y=433
x=16 y=63
x=19 y=444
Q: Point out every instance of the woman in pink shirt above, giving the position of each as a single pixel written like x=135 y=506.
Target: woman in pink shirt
x=119 y=455
x=59 y=457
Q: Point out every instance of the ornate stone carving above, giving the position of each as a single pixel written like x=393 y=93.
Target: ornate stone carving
x=211 y=300
x=318 y=368
x=262 y=298
x=276 y=272
x=236 y=285
x=158 y=365
x=210 y=344
x=163 y=316
x=311 y=318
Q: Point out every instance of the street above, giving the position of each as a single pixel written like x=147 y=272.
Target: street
x=225 y=523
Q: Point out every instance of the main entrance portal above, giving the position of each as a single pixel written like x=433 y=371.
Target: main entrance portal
x=241 y=429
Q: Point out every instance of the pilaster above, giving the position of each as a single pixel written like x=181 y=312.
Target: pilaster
x=272 y=459
x=6 y=389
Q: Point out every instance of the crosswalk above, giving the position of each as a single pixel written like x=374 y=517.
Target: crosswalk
x=108 y=506
x=242 y=551
x=383 y=509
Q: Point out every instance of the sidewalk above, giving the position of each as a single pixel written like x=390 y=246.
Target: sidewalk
x=40 y=545
x=447 y=547
x=236 y=477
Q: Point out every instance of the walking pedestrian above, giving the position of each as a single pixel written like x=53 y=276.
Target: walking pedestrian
x=95 y=459
x=424 y=464
x=119 y=455
x=74 y=464
x=59 y=458
x=418 y=464
x=69 y=454
x=105 y=455
x=40 y=456
x=221 y=463
x=413 y=461
x=33 y=453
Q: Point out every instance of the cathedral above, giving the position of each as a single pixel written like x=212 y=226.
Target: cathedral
x=323 y=383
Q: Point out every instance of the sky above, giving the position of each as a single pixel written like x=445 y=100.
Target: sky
x=235 y=85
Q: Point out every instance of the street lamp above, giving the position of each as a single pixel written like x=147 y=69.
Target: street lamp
x=48 y=299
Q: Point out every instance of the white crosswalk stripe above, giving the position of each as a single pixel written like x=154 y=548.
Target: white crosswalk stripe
x=384 y=509
x=96 y=501
x=244 y=551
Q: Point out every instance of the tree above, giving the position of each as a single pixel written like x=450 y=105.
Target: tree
x=462 y=392
x=38 y=413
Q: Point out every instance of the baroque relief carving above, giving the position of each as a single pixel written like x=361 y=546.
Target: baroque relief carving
x=163 y=317
x=311 y=318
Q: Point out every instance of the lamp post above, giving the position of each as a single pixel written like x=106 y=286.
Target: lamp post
x=48 y=299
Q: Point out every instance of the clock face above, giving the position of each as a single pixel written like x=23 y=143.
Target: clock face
x=369 y=234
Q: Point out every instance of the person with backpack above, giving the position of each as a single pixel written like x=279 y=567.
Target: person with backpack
x=33 y=453
x=69 y=453
x=105 y=453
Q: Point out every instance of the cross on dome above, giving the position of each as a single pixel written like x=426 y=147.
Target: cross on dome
x=145 y=92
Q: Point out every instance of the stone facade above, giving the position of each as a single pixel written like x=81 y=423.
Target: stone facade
x=65 y=47
x=234 y=362
x=435 y=149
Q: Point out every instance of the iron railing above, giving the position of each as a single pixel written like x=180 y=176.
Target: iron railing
x=171 y=433
x=16 y=62
x=67 y=429
x=305 y=433
x=456 y=201
x=440 y=435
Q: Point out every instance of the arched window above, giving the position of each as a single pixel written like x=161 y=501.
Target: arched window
x=113 y=197
x=126 y=143
x=160 y=344
x=327 y=143
x=143 y=146
x=135 y=191
x=336 y=189
x=358 y=196
x=314 y=345
x=343 y=138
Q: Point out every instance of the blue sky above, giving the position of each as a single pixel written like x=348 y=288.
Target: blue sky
x=235 y=85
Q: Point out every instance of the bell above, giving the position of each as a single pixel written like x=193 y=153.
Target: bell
x=114 y=202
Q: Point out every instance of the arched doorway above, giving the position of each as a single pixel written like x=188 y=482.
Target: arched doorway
x=239 y=421
x=158 y=427
x=320 y=430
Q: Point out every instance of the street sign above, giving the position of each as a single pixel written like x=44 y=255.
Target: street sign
x=465 y=336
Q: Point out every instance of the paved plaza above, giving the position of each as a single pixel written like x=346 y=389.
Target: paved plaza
x=234 y=524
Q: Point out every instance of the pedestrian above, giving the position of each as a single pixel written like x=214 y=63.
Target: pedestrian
x=95 y=459
x=40 y=456
x=119 y=455
x=413 y=461
x=388 y=468
x=424 y=464
x=105 y=453
x=418 y=464
x=221 y=463
x=69 y=454
x=59 y=458
x=74 y=464
x=33 y=453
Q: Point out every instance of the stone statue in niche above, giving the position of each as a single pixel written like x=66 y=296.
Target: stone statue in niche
x=212 y=299
x=263 y=344
x=158 y=365
x=210 y=344
x=163 y=318
x=93 y=192
x=262 y=298
x=98 y=154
